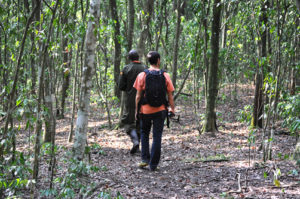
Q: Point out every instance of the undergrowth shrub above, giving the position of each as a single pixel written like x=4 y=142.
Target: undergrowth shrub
x=245 y=115
x=289 y=111
x=15 y=174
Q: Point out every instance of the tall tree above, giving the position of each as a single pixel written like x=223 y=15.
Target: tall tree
x=130 y=32
x=66 y=56
x=210 y=116
x=206 y=38
x=148 y=10
x=117 y=35
x=38 y=126
x=180 y=12
x=34 y=45
x=13 y=90
x=259 y=77
x=87 y=84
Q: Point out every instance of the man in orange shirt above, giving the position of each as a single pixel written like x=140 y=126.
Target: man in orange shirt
x=154 y=114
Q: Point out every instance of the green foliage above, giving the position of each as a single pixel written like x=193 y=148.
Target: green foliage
x=226 y=195
x=75 y=181
x=245 y=115
x=252 y=137
x=107 y=195
x=15 y=173
x=98 y=149
x=289 y=110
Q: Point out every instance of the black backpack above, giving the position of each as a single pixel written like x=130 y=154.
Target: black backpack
x=155 y=92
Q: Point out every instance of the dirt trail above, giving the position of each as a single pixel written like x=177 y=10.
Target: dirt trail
x=185 y=171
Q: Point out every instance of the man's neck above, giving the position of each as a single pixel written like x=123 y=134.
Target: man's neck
x=136 y=61
x=154 y=66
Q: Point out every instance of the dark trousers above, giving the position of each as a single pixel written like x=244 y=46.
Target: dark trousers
x=157 y=121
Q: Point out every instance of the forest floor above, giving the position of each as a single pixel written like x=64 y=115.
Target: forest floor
x=191 y=164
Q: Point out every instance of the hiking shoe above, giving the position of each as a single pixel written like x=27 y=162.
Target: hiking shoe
x=154 y=169
x=143 y=165
x=134 y=149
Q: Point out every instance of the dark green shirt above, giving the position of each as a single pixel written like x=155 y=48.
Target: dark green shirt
x=126 y=81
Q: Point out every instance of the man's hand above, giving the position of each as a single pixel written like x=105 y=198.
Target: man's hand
x=136 y=115
x=171 y=114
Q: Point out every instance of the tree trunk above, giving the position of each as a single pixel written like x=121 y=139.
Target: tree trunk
x=70 y=137
x=296 y=154
x=160 y=25
x=205 y=59
x=34 y=48
x=49 y=101
x=180 y=8
x=117 y=35
x=66 y=57
x=258 y=98
x=293 y=81
x=131 y=14
x=87 y=84
x=40 y=96
x=210 y=117
x=277 y=78
x=146 y=19
x=11 y=96
x=224 y=29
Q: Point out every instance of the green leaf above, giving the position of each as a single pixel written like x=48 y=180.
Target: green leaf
x=277 y=183
x=1 y=11
x=286 y=156
x=19 y=101
x=265 y=175
x=11 y=183
x=18 y=181
x=295 y=172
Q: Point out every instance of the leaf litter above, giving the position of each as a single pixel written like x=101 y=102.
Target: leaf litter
x=190 y=165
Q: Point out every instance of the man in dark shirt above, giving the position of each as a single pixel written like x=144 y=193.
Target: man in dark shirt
x=127 y=78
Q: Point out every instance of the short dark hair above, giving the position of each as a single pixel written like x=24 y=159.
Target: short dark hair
x=153 y=57
x=133 y=55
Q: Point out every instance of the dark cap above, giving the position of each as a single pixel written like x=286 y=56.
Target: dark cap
x=133 y=55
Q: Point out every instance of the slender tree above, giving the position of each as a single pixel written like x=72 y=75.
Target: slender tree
x=117 y=35
x=66 y=54
x=210 y=116
x=206 y=38
x=86 y=85
x=130 y=24
x=147 y=14
x=259 y=77
x=180 y=12
x=38 y=126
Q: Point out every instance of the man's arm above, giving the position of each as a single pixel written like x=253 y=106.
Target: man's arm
x=122 y=81
x=171 y=101
x=137 y=100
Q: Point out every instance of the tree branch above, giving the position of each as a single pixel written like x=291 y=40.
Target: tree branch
x=183 y=83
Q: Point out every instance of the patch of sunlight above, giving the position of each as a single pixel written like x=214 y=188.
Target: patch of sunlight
x=96 y=123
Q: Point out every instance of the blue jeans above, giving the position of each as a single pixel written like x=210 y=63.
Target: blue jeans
x=157 y=119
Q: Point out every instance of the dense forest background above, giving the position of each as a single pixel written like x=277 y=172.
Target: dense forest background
x=62 y=59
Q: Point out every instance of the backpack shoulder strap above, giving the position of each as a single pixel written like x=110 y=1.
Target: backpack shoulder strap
x=146 y=71
x=161 y=72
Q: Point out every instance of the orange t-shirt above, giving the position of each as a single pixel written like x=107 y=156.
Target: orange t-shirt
x=140 y=85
